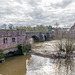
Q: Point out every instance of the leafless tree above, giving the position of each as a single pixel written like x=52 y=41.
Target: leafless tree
x=4 y=26
x=10 y=26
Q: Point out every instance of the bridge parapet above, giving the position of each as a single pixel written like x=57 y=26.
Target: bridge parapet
x=41 y=36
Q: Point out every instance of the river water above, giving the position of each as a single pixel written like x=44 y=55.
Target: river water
x=36 y=65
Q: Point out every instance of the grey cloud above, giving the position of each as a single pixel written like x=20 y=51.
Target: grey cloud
x=19 y=1
x=37 y=14
x=33 y=3
x=34 y=15
x=63 y=4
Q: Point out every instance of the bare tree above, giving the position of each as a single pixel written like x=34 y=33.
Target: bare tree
x=4 y=26
x=10 y=26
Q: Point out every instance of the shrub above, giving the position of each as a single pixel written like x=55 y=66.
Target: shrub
x=27 y=47
x=59 y=46
x=1 y=55
x=19 y=51
x=66 y=46
x=69 y=46
x=24 y=48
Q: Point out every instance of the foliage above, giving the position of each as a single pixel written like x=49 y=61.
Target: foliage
x=49 y=28
x=1 y=54
x=10 y=26
x=59 y=46
x=69 y=46
x=4 y=26
x=66 y=46
x=24 y=48
x=19 y=49
x=27 y=47
x=37 y=28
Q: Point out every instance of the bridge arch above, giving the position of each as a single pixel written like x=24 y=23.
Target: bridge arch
x=35 y=38
x=45 y=37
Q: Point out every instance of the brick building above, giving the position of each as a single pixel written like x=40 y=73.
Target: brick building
x=11 y=38
x=72 y=31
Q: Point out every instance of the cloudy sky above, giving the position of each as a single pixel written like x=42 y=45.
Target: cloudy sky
x=36 y=12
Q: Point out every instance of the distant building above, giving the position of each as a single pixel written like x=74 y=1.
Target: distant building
x=72 y=31
x=60 y=32
x=65 y=30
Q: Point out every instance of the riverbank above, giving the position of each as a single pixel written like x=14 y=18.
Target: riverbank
x=53 y=56
x=49 y=49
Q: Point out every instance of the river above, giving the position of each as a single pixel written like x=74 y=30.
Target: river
x=36 y=65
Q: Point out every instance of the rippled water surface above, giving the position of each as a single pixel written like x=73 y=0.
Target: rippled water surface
x=46 y=66
x=36 y=65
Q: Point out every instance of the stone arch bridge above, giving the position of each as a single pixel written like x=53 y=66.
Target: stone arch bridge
x=10 y=39
x=38 y=36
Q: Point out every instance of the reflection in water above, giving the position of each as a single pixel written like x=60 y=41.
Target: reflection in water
x=65 y=66
x=14 y=65
x=45 y=66
x=36 y=65
x=40 y=66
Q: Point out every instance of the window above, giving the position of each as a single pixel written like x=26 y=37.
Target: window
x=13 y=39
x=5 y=40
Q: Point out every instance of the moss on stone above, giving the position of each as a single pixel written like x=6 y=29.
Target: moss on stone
x=8 y=48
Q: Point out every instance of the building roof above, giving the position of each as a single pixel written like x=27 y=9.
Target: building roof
x=72 y=27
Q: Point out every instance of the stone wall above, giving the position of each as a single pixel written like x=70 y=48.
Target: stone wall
x=19 y=35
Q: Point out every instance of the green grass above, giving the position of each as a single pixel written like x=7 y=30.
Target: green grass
x=8 y=48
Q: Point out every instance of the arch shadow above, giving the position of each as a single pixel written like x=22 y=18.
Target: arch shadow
x=45 y=37
x=35 y=38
